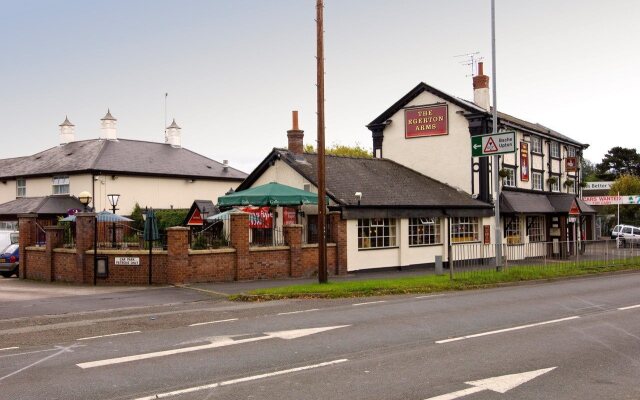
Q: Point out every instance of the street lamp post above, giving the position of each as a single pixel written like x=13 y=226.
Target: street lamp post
x=113 y=200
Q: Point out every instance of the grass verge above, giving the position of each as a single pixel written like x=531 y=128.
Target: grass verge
x=431 y=283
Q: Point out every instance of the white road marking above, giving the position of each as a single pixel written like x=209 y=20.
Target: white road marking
x=10 y=348
x=369 y=302
x=629 y=307
x=499 y=384
x=109 y=335
x=240 y=380
x=427 y=296
x=515 y=328
x=214 y=322
x=60 y=351
x=298 y=312
x=224 y=341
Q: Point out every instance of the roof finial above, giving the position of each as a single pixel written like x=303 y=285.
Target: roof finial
x=108 y=116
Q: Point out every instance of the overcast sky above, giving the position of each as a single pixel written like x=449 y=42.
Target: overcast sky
x=234 y=69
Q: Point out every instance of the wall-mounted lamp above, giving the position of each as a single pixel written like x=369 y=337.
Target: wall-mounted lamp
x=85 y=199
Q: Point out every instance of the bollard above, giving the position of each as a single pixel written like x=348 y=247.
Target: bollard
x=439 y=270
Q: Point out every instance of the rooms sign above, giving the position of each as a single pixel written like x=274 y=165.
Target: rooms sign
x=426 y=121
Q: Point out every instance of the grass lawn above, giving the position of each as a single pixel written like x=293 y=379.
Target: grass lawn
x=432 y=283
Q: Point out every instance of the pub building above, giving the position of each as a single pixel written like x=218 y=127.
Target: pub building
x=540 y=182
x=423 y=193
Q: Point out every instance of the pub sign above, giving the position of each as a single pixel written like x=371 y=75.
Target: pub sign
x=524 y=161
x=424 y=121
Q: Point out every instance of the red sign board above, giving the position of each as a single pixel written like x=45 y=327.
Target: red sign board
x=289 y=216
x=196 y=218
x=259 y=218
x=571 y=164
x=487 y=234
x=426 y=121
x=574 y=209
x=524 y=162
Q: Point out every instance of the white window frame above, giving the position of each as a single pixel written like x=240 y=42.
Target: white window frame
x=536 y=229
x=60 y=185
x=555 y=150
x=555 y=187
x=536 y=181
x=377 y=233
x=513 y=230
x=425 y=231
x=21 y=187
x=465 y=230
x=510 y=179
x=536 y=144
x=571 y=151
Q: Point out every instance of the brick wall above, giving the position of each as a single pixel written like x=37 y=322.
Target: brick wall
x=212 y=265
x=178 y=264
x=38 y=268
x=64 y=265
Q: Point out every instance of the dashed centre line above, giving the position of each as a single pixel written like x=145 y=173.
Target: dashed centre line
x=240 y=380
x=298 y=312
x=10 y=348
x=515 y=328
x=109 y=335
x=369 y=302
x=214 y=322
x=629 y=307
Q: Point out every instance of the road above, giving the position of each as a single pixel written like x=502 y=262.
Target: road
x=573 y=339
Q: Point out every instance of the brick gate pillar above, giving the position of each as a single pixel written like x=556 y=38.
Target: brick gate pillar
x=54 y=237
x=178 y=255
x=293 y=239
x=27 y=229
x=339 y=237
x=240 y=242
x=85 y=225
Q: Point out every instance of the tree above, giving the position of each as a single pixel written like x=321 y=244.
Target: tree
x=336 y=149
x=619 y=161
x=589 y=173
x=626 y=185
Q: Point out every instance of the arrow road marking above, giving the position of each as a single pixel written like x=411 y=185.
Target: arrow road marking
x=224 y=341
x=499 y=384
x=239 y=380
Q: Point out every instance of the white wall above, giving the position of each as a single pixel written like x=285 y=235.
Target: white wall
x=446 y=158
x=157 y=192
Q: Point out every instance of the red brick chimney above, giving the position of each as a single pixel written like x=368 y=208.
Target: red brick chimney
x=481 y=88
x=295 y=136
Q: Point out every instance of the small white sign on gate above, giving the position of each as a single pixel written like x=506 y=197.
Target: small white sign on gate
x=127 y=261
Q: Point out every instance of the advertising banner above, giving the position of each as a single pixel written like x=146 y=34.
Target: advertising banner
x=289 y=216
x=611 y=200
x=426 y=121
x=259 y=218
x=524 y=161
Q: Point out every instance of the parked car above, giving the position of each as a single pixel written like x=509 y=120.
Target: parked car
x=10 y=260
x=617 y=229
x=629 y=236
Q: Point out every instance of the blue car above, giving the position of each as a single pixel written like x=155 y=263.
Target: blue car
x=10 y=260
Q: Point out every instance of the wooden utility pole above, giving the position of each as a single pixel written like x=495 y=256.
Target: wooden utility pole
x=322 y=213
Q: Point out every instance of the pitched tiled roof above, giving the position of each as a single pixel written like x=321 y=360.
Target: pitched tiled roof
x=471 y=107
x=382 y=182
x=52 y=205
x=118 y=156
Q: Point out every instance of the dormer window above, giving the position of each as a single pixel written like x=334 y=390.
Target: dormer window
x=61 y=184
x=21 y=187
